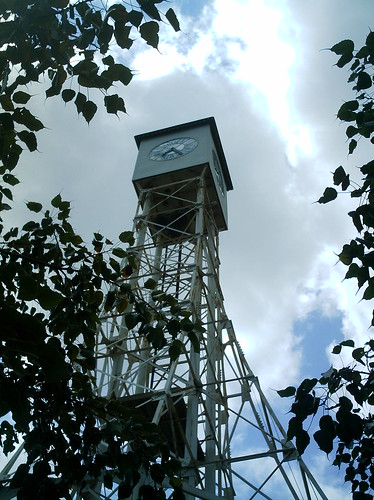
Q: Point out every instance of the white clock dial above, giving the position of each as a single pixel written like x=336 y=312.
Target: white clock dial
x=175 y=148
x=218 y=171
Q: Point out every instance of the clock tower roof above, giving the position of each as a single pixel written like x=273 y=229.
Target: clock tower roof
x=190 y=125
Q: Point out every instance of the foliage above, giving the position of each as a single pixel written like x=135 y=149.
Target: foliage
x=50 y=304
x=51 y=291
x=358 y=254
x=346 y=395
x=76 y=46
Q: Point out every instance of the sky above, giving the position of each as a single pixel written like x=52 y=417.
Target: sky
x=260 y=68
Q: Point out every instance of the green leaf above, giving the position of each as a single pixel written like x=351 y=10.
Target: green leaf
x=173 y=327
x=108 y=60
x=104 y=37
x=20 y=476
x=351 y=131
x=348 y=343
x=10 y=179
x=34 y=206
x=345 y=255
x=24 y=117
x=6 y=192
x=294 y=425
x=149 y=8
x=122 y=304
x=369 y=292
x=131 y=320
x=364 y=81
x=119 y=252
x=117 y=12
x=127 y=237
x=6 y=103
x=356 y=219
x=85 y=67
x=29 y=139
x=368 y=168
x=328 y=195
x=89 y=110
x=135 y=17
x=347 y=110
x=53 y=362
x=115 y=265
x=109 y=302
x=118 y=72
x=121 y=34
x=68 y=95
x=56 y=201
x=80 y=101
x=173 y=20
x=30 y=226
x=114 y=103
x=344 y=59
x=157 y=473
x=302 y=441
x=58 y=79
x=194 y=341
x=353 y=271
x=326 y=435
x=28 y=287
x=149 y=32
x=352 y=146
x=358 y=354
x=350 y=425
x=175 y=349
x=370 y=40
x=86 y=38
x=340 y=177
x=48 y=299
x=306 y=386
x=21 y=97
x=286 y=393
x=337 y=349
x=150 y=284
x=343 y=47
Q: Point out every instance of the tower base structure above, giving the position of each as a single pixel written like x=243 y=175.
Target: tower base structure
x=208 y=401
x=204 y=397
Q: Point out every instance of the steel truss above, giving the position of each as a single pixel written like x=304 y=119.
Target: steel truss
x=209 y=403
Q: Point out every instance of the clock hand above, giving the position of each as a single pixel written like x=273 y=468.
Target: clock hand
x=171 y=150
x=176 y=151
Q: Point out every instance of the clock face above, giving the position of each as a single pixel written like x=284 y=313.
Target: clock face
x=218 y=172
x=175 y=148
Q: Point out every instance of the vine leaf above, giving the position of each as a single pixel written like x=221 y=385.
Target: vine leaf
x=328 y=195
x=149 y=32
x=173 y=20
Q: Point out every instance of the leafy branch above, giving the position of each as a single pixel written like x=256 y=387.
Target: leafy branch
x=73 y=45
x=345 y=396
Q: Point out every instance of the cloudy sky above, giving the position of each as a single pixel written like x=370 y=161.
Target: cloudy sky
x=260 y=69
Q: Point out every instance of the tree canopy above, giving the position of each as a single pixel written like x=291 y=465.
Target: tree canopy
x=345 y=396
x=52 y=284
x=78 y=47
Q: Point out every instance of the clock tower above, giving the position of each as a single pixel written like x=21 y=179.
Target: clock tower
x=208 y=402
x=185 y=152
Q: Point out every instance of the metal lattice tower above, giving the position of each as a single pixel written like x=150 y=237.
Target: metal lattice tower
x=209 y=403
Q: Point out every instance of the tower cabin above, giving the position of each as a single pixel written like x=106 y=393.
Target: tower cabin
x=172 y=163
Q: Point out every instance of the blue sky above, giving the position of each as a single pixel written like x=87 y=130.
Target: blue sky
x=258 y=67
